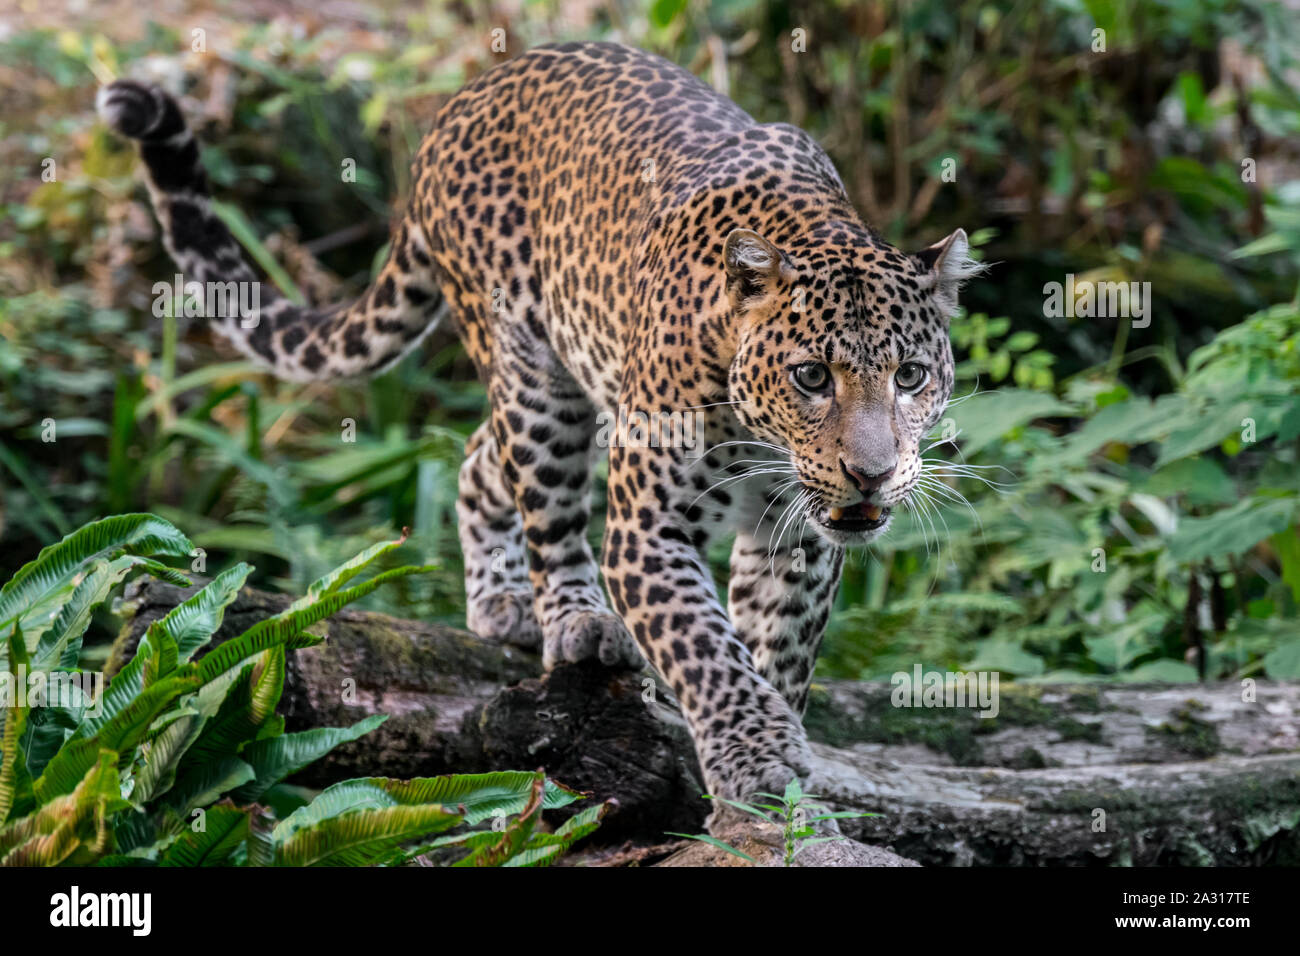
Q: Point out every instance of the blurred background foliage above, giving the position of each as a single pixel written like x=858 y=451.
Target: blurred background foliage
x=1141 y=520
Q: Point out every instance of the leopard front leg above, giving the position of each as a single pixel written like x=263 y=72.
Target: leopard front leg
x=746 y=735
x=546 y=427
x=780 y=597
x=498 y=595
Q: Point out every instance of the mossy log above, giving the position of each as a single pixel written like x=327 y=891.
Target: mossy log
x=1080 y=774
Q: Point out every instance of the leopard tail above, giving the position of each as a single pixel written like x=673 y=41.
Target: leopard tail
x=296 y=342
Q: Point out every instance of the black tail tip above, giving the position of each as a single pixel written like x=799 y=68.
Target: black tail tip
x=138 y=110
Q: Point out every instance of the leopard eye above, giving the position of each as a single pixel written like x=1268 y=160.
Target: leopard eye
x=911 y=376
x=812 y=377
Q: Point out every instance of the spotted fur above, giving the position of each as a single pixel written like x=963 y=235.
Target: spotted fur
x=606 y=231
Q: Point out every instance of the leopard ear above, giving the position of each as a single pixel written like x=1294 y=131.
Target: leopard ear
x=948 y=264
x=753 y=266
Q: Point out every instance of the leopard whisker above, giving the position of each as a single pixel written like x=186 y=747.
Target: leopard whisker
x=800 y=502
x=776 y=496
x=751 y=473
x=779 y=524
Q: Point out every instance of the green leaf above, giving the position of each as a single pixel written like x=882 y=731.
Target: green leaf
x=57 y=565
x=329 y=583
x=512 y=840
x=72 y=827
x=16 y=795
x=1201 y=480
x=276 y=758
x=746 y=807
x=60 y=644
x=159 y=757
x=225 y=827
x=1003 y=655
x=286 y=627
x=126 y=685
x=361 y=837
x=987 y=416
x=712 y=841
x=1231 y=531
x=1212 y=426
x=542 y=849
x=1287 y=546
x=1164 y=671
x=120 y=734
x=1133 y=422
x=248 y=705
x=481 y=794
x=1283 y=661
x=192 y=623
x=205 y=783
x=664 y=12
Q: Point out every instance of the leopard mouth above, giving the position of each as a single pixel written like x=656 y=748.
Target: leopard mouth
x=861 y=518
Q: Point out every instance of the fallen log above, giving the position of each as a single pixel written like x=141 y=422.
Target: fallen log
x=1084 y=774
x=459 y=704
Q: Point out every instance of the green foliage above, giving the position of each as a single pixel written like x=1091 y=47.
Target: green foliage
x=795 y=811
x=167 y=767
x=1124 y=163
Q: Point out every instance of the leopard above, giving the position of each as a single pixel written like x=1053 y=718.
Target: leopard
x=604 y=231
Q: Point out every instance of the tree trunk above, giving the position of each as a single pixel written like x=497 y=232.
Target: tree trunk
x=1102 y=774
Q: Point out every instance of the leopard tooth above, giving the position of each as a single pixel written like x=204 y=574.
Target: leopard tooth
x=872 y=512
x=837 y=514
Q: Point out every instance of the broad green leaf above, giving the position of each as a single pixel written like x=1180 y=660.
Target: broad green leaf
x=1287 y=546
x=58 y=565
x=331 y=582
x=60 y=644
x=225 y=827
x=987 y=416
x=1000 y=655
x=1283 y=661
x=1201 y=480
x=361 y=837
x=1134 y=422
x=1215 y=424
x=192 y=623
x=1165 y=671
x=15 y=780
x=160 y=755
x=510 y=841
x=287 y=627
x=122 y=733
x=1231 y=531
x=248 y=707
x=205 y=783
x=72 y=827
x=543 y=849
x=482 y=795
x=276 y=758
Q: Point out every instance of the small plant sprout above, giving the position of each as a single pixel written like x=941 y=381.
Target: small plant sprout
x=795 y=812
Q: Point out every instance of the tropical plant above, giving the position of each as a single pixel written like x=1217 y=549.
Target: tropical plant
x=176 y=762
x=796 y=812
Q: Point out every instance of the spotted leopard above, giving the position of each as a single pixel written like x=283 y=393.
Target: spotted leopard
x=606 y=232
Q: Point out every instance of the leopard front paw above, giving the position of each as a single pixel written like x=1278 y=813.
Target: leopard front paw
x=757 y=768
x=506 y=617
x=591 y=634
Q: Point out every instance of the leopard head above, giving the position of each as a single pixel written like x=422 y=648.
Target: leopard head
x=843 y=360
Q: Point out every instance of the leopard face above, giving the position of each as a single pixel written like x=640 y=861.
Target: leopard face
x=844 y=361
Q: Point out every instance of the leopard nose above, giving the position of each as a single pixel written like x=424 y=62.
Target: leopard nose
x=866 y=483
